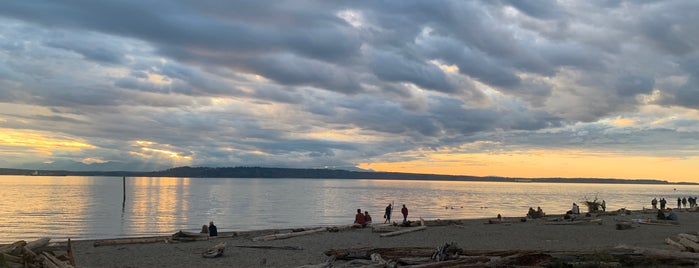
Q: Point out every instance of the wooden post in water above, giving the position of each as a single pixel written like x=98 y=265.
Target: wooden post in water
x=123 y=203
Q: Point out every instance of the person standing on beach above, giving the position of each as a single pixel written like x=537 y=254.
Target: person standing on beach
x=654 y=203
x=679 y=202
x=404 y=210
x=662 y=202
x=387 y=214
x=604 y=206
x=213 y=231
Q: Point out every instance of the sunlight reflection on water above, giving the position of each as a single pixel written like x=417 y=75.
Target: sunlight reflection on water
x=91 y=207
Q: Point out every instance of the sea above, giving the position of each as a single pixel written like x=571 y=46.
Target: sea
x=77 y=207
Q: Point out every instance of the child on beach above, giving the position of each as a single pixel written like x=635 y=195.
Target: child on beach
x=367 y=217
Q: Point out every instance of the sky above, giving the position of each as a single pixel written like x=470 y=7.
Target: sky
x=527 y=88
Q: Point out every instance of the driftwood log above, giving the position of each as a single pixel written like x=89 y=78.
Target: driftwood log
x=406 y=230
x=272 y=247
x=419 y=258
x=215 y=251
x=576 y=222
x=288 y=235
x=32 y=254
x=189 y=236
x=124 y=241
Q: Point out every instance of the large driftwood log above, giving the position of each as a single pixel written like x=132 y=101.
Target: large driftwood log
x=41 y=242
x=124 y=241
x=384 y=228
x=391 y=253
x=12 y=247
x=404 y=231
x=575 y=222
x=690 y=237
x=288 y=235
x=660 y=252
x=691 y=245
x=272 y=247
x=674 y=243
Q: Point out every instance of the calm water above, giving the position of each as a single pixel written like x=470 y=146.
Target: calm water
x=93 y=207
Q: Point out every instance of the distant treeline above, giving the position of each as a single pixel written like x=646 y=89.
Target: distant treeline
x=265 y=172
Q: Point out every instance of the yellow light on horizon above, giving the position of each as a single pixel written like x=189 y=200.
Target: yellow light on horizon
x=541 y=163
x=41 y=141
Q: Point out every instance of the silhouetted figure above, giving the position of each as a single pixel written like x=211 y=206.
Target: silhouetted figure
x=213 y=231
x=359 y=218
x=404 y=211
x=387 y=214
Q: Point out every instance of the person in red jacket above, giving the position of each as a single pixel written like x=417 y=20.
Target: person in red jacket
x=404 y=210
x=359 y=218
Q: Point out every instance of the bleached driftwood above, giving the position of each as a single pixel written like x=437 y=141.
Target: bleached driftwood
x=189 y=236
x=215 y=251
x=691 y=245
x=404 y=231
x=660 y=223
x=288 y=235
x=124 y=241
x=41 y=242
x=384 y=228
x=52 y=261
x=36 y=253
x=690 y=237
x=660 y=252
x=407 y=230
x=675 y=244
x=575 y=222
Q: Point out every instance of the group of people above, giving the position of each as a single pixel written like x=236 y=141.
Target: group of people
x=364 y=219
x=681 y=202
x=671 y=216
x=666 y=213
x=534 y=214
x=211 y=229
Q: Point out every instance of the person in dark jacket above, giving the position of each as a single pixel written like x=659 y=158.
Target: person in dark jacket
x=213 y=231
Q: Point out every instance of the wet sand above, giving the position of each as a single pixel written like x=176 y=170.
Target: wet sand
x=538 y=234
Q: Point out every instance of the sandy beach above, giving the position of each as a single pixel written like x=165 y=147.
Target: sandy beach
x=472 y=234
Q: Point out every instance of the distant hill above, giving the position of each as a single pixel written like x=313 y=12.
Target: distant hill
x=266 y=172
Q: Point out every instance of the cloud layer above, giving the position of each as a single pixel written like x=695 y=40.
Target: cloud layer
x=143 y=85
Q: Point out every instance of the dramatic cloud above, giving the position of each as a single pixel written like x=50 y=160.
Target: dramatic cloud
x=152 y=84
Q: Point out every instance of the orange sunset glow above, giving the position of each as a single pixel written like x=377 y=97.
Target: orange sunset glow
x=550 y=164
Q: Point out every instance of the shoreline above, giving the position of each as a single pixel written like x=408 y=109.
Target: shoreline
x=242 y=250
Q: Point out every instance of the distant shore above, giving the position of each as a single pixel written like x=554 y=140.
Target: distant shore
x=473 y=234
x=302 y=173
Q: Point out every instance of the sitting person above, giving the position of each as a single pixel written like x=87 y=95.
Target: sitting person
x=532 y=213
x=539 y=212
x=576 y=209
x=359 y=218
x=367 y=217
x=671 y=216
x=204 y=229
x=661 y=215
x=213 y=231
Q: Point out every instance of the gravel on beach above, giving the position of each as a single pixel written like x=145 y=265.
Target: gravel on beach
x=242 y=251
